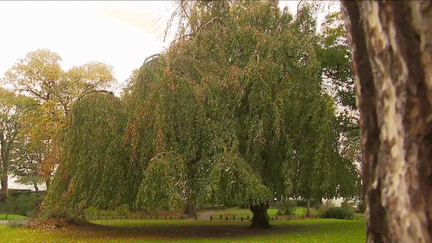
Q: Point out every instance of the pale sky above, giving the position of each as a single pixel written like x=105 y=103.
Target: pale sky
x=119 y=33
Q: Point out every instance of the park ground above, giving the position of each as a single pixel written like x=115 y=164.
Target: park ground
x=191 y=230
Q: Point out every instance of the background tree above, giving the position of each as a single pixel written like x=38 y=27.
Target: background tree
x=94 y=169
x=392 y=56
x=26 y=158
x=336 y=63
x=336 y=58
x=13 y=109
x=39 y=76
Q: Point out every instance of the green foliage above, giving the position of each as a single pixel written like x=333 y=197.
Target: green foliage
x=93 y=212
x=303 y=210
x=94 y=169
x=226 y=177
x=313 y=203
x=122 y=210
x=164 y=184
x=287 y=207
x=56 y=213
x=335 y=55
x=280 y=212
x=39 y=76
x=301 y=203
x=244 y=205
x=339 y=213
x=323 y=208
x=13 y=111
x=238 y=99
x=346 y=204
x=24 y=204
x=336 y=59
x=27 y=174
x=107 y=213
x=11 y=217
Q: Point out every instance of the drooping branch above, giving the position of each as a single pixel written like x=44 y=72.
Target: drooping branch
x=199 y=30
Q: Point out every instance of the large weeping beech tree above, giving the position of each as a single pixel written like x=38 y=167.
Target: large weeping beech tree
x=234 y=112
x=392 y=44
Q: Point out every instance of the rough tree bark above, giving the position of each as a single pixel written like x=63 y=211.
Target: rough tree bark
x=392 y=44
x=260 y=217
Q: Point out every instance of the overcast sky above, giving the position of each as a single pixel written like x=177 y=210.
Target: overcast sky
x=119 y=33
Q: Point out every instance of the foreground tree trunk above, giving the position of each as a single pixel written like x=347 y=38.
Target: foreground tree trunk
x=260 y=217
x=308 y=209
x=392 y=43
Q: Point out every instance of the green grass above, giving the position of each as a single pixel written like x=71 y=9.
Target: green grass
x=301 y=231
x=202 y=230
x=11 y=216
x=302 y=211
x=359 y=216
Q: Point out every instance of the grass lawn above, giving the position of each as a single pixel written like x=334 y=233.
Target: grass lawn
x=309 y=230
x=11 y=216
x=302 y=211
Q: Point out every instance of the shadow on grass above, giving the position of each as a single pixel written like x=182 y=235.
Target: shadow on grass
x=187 y=231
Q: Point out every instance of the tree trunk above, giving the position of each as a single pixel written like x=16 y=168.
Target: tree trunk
x=392 y=43
x=4 y=187
x=308 y=209
x=260 y=217
x=35 y=186
x=4 y=165
x=47 y=183
x=190 y=209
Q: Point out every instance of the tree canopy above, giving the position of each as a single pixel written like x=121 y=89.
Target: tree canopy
x=94 y=169
x=39 y=76
x=13 y=110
